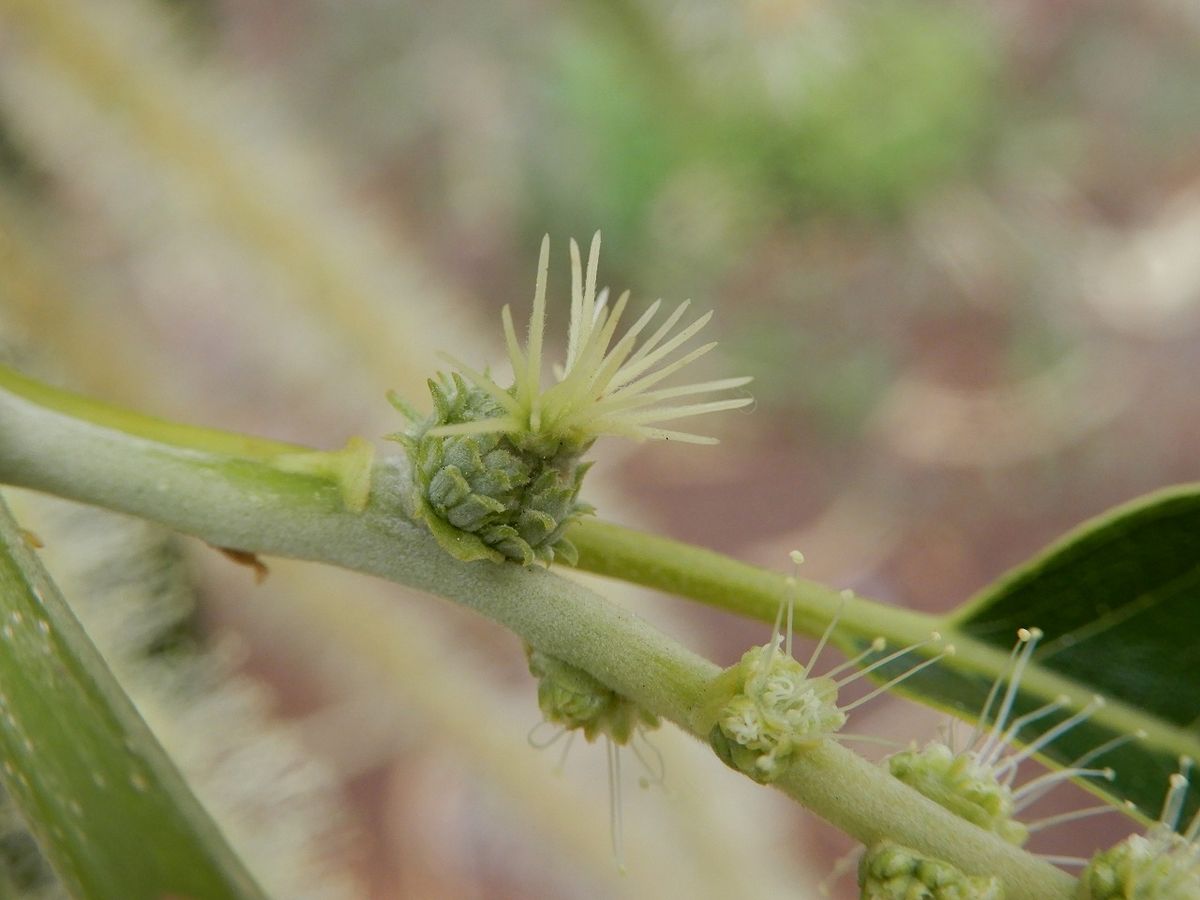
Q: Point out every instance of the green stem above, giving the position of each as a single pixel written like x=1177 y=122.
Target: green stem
x=252 y=504
x=716 y=580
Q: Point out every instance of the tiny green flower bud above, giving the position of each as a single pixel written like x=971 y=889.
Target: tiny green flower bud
x=963 y=786
x=776 y=711
x=573 y=699
x=891 y=872
x=976 y=782
x=768 y=707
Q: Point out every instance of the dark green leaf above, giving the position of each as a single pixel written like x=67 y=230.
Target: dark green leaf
x=1119 y=602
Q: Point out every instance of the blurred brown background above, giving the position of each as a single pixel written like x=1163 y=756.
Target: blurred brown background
x=957 y=245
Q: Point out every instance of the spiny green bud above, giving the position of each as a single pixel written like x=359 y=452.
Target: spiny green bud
x=497 y=470
x=771 y=710
x=891 y=872
x=570 y=697
x=493 y=495
x=1154 y=867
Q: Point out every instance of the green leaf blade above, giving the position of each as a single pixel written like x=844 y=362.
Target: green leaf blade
x=104 y=802
x=1118 y=600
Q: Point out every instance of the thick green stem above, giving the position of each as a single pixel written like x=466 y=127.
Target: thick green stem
x=253 y=504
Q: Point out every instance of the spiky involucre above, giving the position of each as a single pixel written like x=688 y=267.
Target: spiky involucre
x=492 y=495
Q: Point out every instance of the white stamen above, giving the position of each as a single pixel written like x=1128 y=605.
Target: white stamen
x=1063 y=860
x=875 y=646
x=1173 y=805
x=617 y=826
x=816 y=654
x=656 y=773
x=1020 y=722
x=544 y=743
x=1038 y=787
x=561 y=765
x=1048 y=737
x=1028 y=639
x=977 y=731
x=1062 y=818
x=949 y=651
x=933 y=638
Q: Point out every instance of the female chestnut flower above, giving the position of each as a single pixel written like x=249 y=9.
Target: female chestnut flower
x=497 y=470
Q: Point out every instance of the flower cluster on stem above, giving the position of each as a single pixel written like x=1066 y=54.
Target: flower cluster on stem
x=1162 y=864
x=976 y=782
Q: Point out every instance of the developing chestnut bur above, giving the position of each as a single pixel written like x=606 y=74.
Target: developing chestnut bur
x=497 y=471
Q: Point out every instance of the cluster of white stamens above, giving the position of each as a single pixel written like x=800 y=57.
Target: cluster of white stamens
x=769 y=706
x=603 y=388
x=977 y=782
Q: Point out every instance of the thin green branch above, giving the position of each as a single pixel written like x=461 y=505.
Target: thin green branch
x=254 y=505
x=724 y=583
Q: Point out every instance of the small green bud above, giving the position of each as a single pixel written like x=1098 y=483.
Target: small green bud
x=1159 y=866
x=891 y=872
x=570 y=697
x=771 y=709
x=962 y=785
x=762 y=711
x=1164 y=864
x=976 y=782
